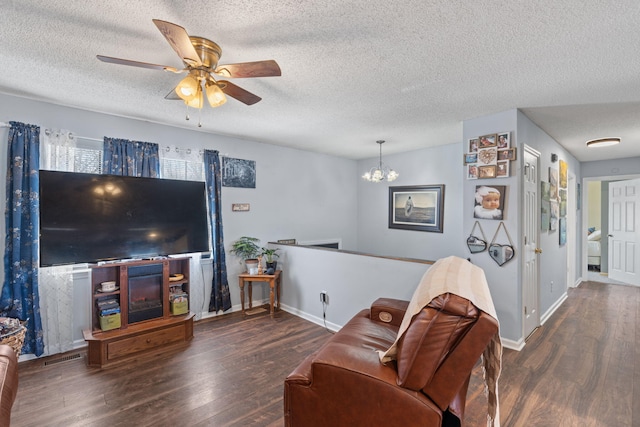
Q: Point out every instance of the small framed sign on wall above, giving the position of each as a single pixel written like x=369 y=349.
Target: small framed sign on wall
x=240 y=207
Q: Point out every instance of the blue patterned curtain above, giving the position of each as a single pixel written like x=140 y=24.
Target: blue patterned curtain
x=19 y=298
x=130 y=158
x=220 y=298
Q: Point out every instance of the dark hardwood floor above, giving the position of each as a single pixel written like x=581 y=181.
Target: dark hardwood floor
x=582 y=368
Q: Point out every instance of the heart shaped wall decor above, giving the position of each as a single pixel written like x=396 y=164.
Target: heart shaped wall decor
x=501 y=254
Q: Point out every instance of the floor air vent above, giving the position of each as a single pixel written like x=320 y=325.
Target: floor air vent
x=63 y=359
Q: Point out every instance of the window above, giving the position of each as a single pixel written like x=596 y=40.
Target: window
x=181 y=169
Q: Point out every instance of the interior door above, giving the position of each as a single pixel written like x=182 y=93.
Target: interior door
x=531 y=213
x=624 y=232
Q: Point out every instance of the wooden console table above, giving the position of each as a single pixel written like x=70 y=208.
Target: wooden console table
x=274 y=285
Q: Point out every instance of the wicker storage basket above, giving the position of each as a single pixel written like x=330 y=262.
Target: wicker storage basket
x=15 y=339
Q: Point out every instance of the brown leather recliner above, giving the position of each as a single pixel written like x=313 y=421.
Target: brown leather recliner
x=345 y=384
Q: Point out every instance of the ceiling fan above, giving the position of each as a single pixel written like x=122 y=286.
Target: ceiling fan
x=200 y=57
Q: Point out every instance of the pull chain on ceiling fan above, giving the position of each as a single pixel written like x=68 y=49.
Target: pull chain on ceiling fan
x=200 y=57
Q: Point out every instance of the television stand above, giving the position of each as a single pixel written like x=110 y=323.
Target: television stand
x=148 y=311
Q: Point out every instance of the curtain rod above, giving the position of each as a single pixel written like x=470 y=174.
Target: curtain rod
x=86 y=138
x=4 y=125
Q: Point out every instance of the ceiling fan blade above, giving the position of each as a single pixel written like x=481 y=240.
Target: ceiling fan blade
x=269 y=68
x=173 y=96
x=119 y=61
x=238 y=93
x=180 y=42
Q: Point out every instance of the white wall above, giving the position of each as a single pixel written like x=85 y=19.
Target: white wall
x=611 y=168
x=298 y=194
x=431 y=166
x=553 y=260
x=504 y=282
x=352 y=282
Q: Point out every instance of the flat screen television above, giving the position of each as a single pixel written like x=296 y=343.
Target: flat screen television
x=88 y=218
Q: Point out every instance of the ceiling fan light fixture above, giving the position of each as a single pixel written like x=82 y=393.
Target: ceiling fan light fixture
x=215 y=95
x=197 y=101
x=187 y=89
x=603 y=142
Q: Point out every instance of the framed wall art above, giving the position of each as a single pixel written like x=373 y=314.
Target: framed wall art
x=487 y=141
x=562 y=180
x=502 y=169
x=489 y=201
x=488 y=171
x=504 y=140
x=508 y=154
x=238 y=173
x=473 y=145
x=417 y=207
x=472 y=172
x=470 y=158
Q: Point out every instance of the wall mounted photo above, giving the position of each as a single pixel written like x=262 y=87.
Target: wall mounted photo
x=562 y=197
x=553 y=184
x=504 y=140
x=508 y=154
x=488 y=141
x=470 y=158
x=418 y=208
x=554 y=215
x=489 y=201
x=473 y=145
x=563 y=231
x=563 y=174
x=502 y=169
x=238 y=173
x=472 y=172
x=487 y=171
x=545 y=205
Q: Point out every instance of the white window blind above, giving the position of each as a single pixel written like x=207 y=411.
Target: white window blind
x=62 y=151
x=181 y=169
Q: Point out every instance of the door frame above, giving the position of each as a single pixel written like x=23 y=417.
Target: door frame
x=585 y=216
x=535 y=153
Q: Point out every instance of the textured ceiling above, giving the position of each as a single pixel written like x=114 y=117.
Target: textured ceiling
x=353 y=72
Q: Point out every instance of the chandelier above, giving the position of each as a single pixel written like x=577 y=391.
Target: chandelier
x=381 y=172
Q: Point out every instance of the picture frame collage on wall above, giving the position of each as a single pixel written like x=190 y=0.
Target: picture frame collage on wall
x=553 y=202
x=489 y=156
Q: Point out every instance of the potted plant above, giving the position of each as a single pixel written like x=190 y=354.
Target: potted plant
x=269 y=255
x=247 y=249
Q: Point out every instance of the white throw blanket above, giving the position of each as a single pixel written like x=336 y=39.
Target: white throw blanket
x=459 y=277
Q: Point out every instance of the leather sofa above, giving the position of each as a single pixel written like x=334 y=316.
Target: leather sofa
x=344 y=383
x=8 y=382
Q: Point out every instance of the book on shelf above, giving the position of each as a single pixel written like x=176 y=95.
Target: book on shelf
x=105 y=306
x=109 y=311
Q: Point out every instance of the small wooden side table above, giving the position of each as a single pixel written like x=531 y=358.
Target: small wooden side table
x=274 y=285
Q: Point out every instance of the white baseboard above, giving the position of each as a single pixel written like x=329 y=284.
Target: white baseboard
x=553 y=309
x=512 y=345
x=313 y=319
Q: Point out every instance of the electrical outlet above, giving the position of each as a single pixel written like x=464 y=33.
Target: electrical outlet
x=324 y=297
